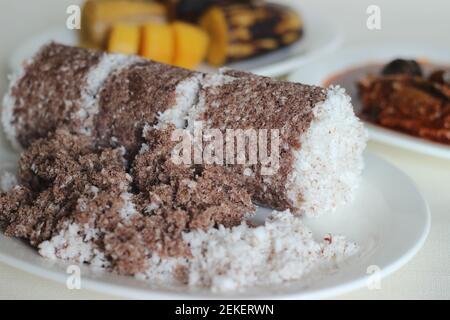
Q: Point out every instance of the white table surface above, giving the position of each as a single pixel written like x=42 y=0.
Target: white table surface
x=427 y=276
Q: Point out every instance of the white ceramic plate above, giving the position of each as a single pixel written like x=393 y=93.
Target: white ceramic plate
x=320 y=69
x=389 y=219
x=320 y=37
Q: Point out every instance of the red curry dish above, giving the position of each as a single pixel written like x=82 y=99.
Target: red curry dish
x=402 y=95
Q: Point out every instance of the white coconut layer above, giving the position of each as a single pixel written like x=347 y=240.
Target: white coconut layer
x=223 y=260
x=329 y=164
x=186 y=94
x=77 y=242
x=95 y=79
x=128 y=210
x=74 y=243
x=162 y=272
x=189 y=103
x=281 y=250
x=8 y=105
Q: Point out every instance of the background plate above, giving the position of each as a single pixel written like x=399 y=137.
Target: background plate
x=389 y=220
x=320 y=37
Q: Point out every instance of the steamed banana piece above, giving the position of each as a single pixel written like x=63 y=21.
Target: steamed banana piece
x=98 y=16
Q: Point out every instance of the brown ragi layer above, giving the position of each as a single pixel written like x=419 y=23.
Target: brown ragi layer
x=184 y=197
x=132 y=98
x=263 y=103
x=56 y=177
x=65 y=179
x=50 y=91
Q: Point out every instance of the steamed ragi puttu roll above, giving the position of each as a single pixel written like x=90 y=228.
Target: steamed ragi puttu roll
x=111 y=98
x=321 y=139
x=108 y=97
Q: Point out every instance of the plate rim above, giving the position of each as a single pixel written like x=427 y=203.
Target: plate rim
x=101 y=286
x=407 y=142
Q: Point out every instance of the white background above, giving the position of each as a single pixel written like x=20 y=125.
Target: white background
x=427 y=276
